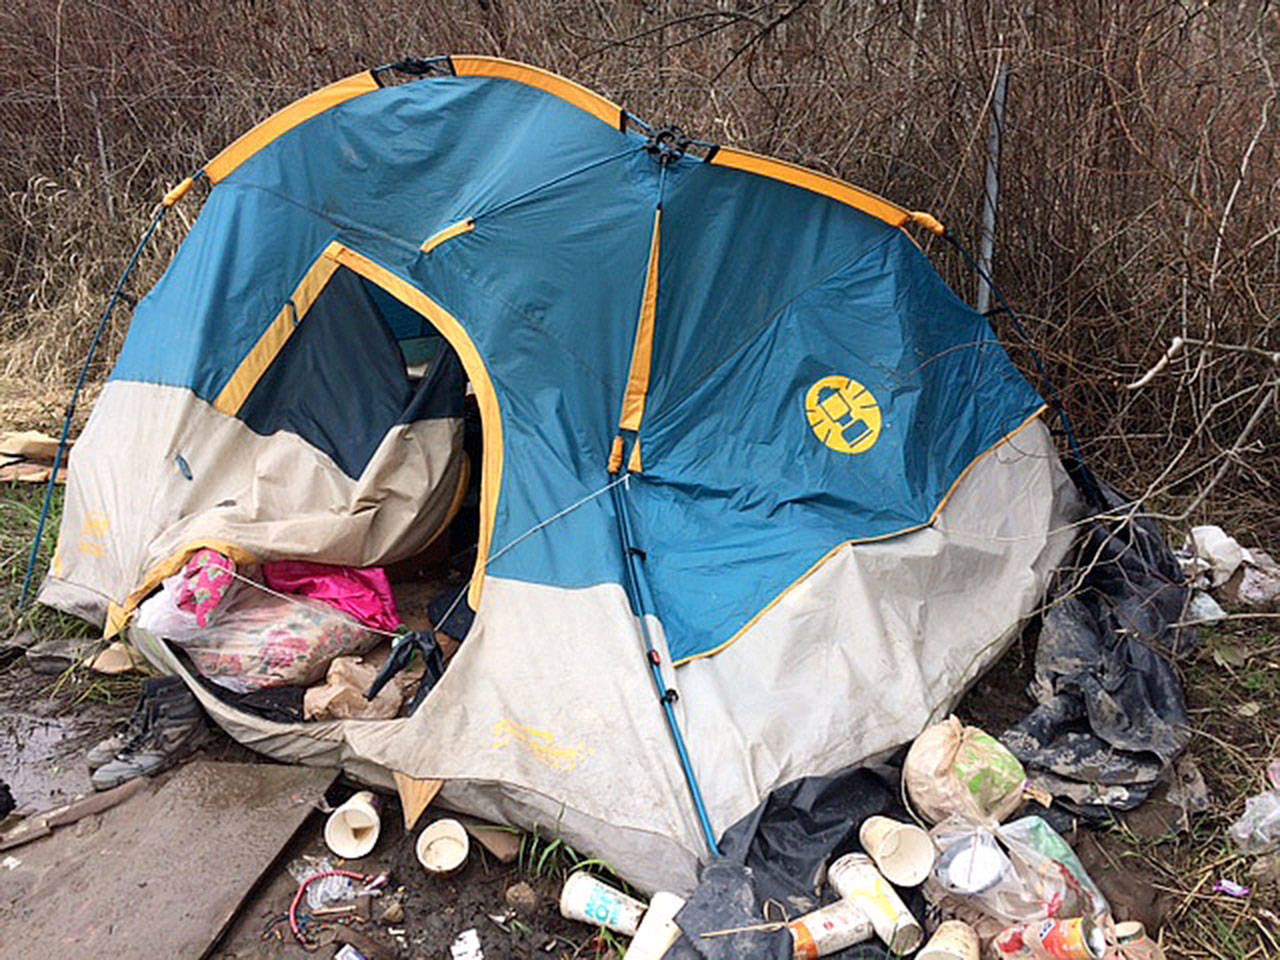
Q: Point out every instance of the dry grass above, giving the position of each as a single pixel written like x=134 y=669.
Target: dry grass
x=1140 y=175
x=1140 y=202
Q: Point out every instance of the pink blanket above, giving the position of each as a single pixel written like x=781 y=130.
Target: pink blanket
x=363 y=593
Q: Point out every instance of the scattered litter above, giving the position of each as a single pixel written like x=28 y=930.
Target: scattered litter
x=953 y=940
x=341 y=695
x=1132 y=943
x=593 y=901
x=1256 y=584
x=443 y=846
x=856 y=878
x=467 y=946
x=658 y=930
x=352 y=830
x=1230 y=888
x=901 y=851
x=1204 y=609
x=955 y=769
x=10 y=863
x=828 y=930
x=1259 y=827
x=348 y=952
x=1219 y=554
x=334 y=889
x=1072 y=939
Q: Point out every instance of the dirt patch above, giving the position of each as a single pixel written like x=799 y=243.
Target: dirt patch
x=436 y=910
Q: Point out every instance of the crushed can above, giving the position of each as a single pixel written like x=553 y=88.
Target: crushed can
x=1073 y=939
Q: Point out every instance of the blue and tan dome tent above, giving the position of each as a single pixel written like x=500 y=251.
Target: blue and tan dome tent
x=760 y=495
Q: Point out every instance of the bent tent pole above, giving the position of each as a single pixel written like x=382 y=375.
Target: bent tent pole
x=116 y=296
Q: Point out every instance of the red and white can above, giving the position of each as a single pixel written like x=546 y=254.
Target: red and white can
x=834 y=927
x=1074 y=939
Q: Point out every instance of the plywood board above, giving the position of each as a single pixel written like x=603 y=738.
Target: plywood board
x=163 y=874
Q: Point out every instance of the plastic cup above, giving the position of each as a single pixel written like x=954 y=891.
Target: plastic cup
x=953 y=940
x=856 y=878
x=443 y=846
x=658 y=930
x=352 y=830
x=902 y=851
x=834 y=927
x=588 y=900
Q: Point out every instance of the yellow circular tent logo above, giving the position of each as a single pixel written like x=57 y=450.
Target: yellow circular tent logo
x=843 y=414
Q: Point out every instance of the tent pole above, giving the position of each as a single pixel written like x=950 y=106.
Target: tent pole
x=991 y=191
x=665 y=696
x=75 y=396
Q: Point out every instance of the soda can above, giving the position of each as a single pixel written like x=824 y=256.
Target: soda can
x=834 y=927
x=1074 y=939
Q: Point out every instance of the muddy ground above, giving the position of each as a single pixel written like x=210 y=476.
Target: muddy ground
x=46 y=726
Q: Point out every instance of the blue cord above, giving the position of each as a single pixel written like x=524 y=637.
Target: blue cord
x=75 y=396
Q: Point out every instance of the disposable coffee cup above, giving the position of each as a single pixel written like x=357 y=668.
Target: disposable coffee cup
x=953 y=940
x=658 y=931
x=588 y=900
x=834 y=927
x=856 y=878
x=352 y=830
x=902 y=852
x=443 y=846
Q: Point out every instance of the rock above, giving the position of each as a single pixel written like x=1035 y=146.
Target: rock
x=393 y=912
x=522 y=898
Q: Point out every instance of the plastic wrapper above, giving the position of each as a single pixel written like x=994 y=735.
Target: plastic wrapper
x=341 y=696
x=1258 y=829
x=255 y=639
x=322 y=893
x=955 y=770
x=994 y=877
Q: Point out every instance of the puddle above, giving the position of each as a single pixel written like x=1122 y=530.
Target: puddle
x=42 y=759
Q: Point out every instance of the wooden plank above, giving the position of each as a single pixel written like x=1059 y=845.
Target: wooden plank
x=165 y=872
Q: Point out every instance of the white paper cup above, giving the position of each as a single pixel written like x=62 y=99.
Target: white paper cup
x=902 y=851
x=953 y=940
x=352 y=830
x=834 y=927
x=443 y=846
x=856 y=878
x=586 y=899
x=658 y=931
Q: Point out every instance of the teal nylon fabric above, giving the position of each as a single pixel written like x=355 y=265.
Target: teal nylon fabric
x=765 y=289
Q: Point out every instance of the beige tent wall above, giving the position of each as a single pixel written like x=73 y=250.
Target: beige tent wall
x=130 y=506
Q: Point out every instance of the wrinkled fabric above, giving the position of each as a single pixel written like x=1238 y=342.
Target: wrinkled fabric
x=362 y=593
x=206 y=580
x=1112 y=714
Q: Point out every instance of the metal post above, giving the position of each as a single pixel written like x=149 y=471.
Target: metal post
x=991 y=192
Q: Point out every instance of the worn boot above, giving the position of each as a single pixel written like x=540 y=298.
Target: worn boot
x=154 y=690
x=173 y=727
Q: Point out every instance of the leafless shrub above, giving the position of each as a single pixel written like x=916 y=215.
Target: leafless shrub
x=1139 y=198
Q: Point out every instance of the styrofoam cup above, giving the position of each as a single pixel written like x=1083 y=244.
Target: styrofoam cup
x=902 y=851
x=443 y=846
x=834 y=927
x=586 y=899
x=953 y=940
x=352 y=830
x=856 y=878
x=658 y=931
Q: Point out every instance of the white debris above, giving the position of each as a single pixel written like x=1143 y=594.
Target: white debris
x=467 y=946
x=1204 y=609
x=1222 y=553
